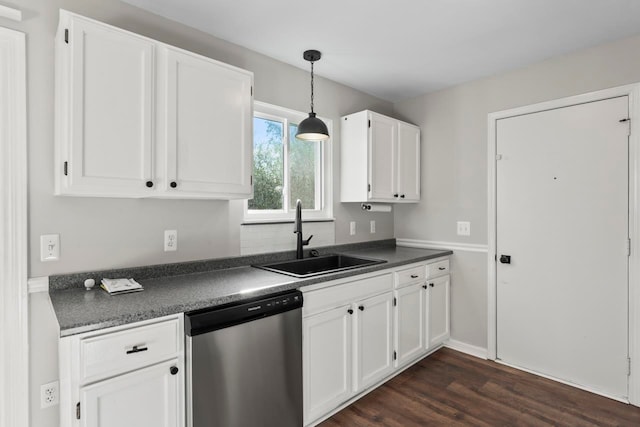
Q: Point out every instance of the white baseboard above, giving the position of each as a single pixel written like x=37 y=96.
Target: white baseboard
x=431 y=244
x=38 y=284
x=469 y=349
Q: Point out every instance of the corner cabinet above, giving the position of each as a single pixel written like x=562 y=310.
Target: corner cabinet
x=138 y=118
x=131 y=375
x=380 y=159
x=359 y=332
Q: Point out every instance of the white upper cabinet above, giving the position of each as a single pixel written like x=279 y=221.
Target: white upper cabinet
x=408 y=162
x=138 y=118
x=105 y=107
x=380 y=159
x=208 y=118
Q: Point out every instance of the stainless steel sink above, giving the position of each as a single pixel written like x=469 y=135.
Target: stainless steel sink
x=315 y=266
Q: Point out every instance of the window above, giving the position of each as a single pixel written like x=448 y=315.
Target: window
x=286 y=169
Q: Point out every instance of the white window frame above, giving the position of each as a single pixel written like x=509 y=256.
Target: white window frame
x=324 y=186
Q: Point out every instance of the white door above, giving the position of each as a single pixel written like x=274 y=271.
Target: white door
x=374 y=352
x=438 y=311
x=408 y=169
x=382 y=160
x=209 y=124
x=562 y=217
x=145 y=398
x=111 y=79
x=410 y=323
x=326 y=361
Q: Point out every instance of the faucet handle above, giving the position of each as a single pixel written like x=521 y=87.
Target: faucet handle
x=306 y=242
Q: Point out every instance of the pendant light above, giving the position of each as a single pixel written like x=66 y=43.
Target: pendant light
x=312 y=128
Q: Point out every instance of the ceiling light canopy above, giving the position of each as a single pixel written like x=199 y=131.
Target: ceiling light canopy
x=312 y=128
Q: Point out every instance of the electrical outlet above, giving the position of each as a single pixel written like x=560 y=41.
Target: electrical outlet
x=352 y=228
x=464 y=228
x=372 y=226
x=49 y=395
x=49 y=247
x=170 y=240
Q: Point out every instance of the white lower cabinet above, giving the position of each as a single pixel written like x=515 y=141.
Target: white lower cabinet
x=374 y=345
x=327 y=360
x=357 y=333
x=129 y=375
x=144 y=398
x=410 y=330
x=438 y=310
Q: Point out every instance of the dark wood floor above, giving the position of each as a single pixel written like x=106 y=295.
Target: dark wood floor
x=453 y=389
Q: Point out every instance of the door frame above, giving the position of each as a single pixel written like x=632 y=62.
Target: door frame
x=14 y=303
x=633 y=92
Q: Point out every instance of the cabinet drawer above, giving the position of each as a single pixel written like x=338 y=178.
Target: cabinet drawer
x=335 y=296
x=439 y=268
x=113 y=353
x=410 y=275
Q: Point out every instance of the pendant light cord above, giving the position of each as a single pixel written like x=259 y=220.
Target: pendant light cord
x=311 y=86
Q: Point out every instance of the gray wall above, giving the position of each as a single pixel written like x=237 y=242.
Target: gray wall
x=454 y=158
x=102 y=233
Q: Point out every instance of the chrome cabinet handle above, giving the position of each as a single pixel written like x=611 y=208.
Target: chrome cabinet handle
x=414 y=276
x=441 y=268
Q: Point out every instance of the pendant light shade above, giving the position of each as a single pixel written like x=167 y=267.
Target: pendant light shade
x=312 y=128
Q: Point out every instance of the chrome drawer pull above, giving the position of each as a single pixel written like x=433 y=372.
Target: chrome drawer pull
x=441 y=268
x=414 y=276
x=137 y=349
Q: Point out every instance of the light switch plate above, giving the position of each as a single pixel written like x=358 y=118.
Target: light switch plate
x=49 y=247
x=372 y=226
x=464 y=228
x=352 y=228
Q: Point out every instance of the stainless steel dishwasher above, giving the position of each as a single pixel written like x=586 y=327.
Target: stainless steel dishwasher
x=244 y=363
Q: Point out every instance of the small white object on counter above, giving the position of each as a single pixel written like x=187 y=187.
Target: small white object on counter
x=89 y=283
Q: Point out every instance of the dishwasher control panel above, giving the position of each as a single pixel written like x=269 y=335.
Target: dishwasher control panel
x=214 y=318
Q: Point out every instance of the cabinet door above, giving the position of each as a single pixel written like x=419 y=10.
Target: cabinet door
x=409 y=322
x=209 y=146
x=438 y=310
x=108 y=84
x=148 y=397
x=374 y=352
x=382 y=157
x=408 y=162
x=326 y=361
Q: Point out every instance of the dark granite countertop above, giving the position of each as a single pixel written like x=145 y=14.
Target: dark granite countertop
x=79 y=310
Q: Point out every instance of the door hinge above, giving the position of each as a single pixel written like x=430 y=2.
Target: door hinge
x=368 y=187
x=395 y=301
x=66 y=35
x=66 y=168
x=626 y=120
x=369 y=123
x=251 y=90
x=251 y=180
x=498 y=156
x=628 y=246
x=628 y=366
x=78 y=411
x=395 y=355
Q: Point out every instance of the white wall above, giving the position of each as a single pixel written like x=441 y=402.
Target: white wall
x=454 y=158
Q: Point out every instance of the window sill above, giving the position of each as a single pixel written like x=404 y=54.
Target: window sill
x=283 y=221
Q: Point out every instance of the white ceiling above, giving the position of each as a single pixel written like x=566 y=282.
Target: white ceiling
x=396 y=49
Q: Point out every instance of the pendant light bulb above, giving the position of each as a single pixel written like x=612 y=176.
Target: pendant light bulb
x=312 y=128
